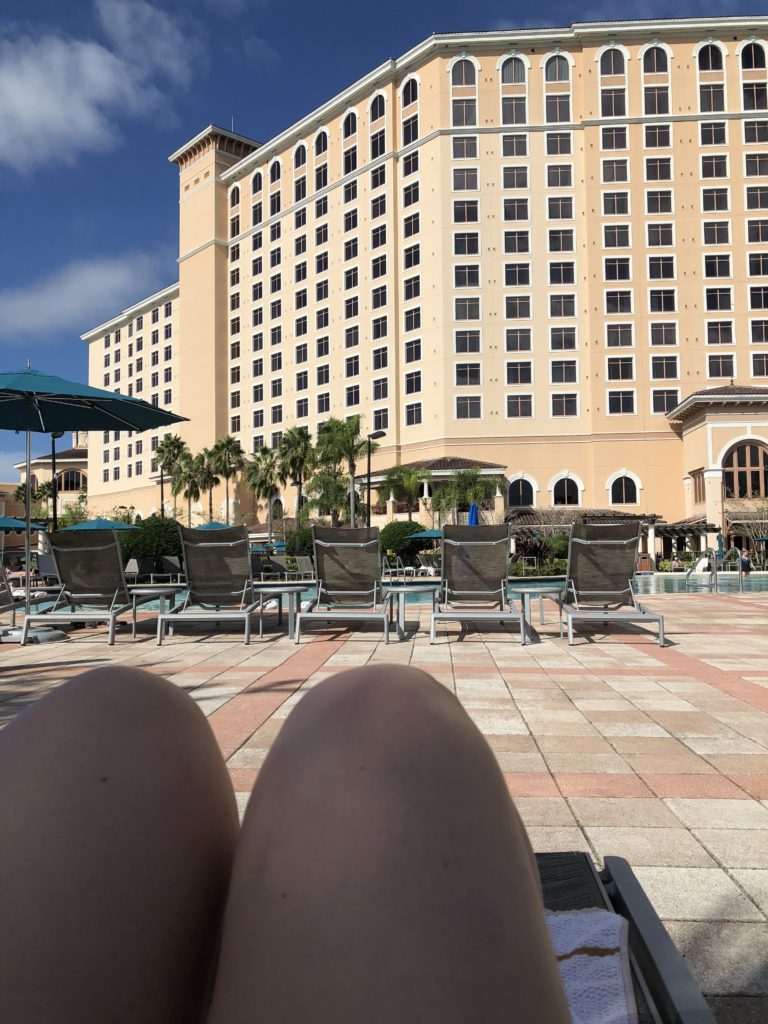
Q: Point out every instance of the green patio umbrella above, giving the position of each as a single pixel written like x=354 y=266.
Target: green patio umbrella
x=34 y=402
x=101 y=524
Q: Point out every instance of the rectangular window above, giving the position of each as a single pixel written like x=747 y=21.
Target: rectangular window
x=379 y=266
x=663 y=334
x=615 y=170
x=413 y=350
x=664 y=400
x=713 y=134
x=711 y=98
x=719 y=332
x=717 y=265
x=563 y=371
x=614 y=137
x=757 y=197
x=410 y=130
x=565 y=405
x=515 y=274
x=379 y=358
x=760 y=364
x=518 y=339
x=560 y=241
x=562 y=339
x=664 y=367
x=466 y=243
x=465 y=147
x=411 y=225
x=720 y=365
x=618 y=335
x=413 y=414
x=621 y=402
x=514 y=145
x=379 y=328
x=661 y=267
x=758 y=298
x=660 y=234
x=561 y=273
x=558 y=143
x=468 y=375
x=716 y=232
x=466 y=341
x=412 y=319
x=755 y=95
x=759 y=332
x=467 y=210
x=519 y=406
x=467 y=309
x=379 y=174
x=410 y=196
x=559 y=208
x=658 y=169
x=468 y=407
x=618 y=302
x=411 y=288
x=557 y=109
x=517 y=307
x=658 y=136
x=562 y=305
x=559 y=176
x=758 y=264
x=661 y=300
x=621 y=368
x=323 y=403
x=512 y=177
x=617 y=269
x=464 y=113
x=351 y=337
x=656 y=100
x=714 y=166
x=411 y=257
x=413 y=382
x=717 y=298
x=714 y=199
x=615 y=204
x=512 y=111
x=517 y=373
x=468 y=275
x=613 y=103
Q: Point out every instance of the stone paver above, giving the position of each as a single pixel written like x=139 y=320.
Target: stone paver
x=614 y=746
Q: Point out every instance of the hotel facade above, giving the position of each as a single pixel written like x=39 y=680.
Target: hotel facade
x=545 y=252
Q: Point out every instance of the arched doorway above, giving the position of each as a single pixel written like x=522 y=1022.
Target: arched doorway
x=745 y=491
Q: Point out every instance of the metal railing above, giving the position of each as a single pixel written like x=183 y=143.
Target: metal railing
x=718 y=565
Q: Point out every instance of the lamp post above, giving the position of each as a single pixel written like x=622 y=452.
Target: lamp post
x=371 y=437
x=54 y=489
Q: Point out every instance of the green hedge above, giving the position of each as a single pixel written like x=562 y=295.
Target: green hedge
x=395 y=537
x=154 y=537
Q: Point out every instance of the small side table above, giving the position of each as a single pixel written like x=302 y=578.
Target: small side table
x=162 y=591
x=292 y=591
x=399 y=590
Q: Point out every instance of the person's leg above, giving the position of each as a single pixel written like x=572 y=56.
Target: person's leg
x=118 y=827
x=382 y=872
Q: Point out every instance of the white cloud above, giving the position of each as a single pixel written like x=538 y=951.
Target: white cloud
x=259 y=51
x=78 y=296
x=62 y=97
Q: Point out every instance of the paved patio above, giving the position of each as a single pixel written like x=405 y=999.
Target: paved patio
x=614 y=746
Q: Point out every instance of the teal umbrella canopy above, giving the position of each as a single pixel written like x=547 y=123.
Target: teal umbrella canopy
x=101 y=524
x=213 y=525
x=426 y=535
x=8 y=523
x=30 y=400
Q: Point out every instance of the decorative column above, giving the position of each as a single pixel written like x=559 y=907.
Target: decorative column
x=652 y=544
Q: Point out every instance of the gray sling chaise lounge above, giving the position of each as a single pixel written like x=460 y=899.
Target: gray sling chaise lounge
x=218 y=568
x=9 y=603
x=474 y=578
x=93 y=587
x=601 y=564
x=349 y=587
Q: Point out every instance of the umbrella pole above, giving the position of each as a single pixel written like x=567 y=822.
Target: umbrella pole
x=28 y=530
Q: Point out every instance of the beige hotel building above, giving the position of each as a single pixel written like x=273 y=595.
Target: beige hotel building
x=544 y=250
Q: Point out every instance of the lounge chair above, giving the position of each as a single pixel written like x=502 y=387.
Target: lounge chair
x=93 y=587
x=305 y=569
x=261 y=567
x=664 y=988
x=9 y=603
x=349 y=584
x=279 y=567
x=474 y=578
x=46 y=569
x=171 y=571
x=601 y=564
x=139 y=570
x=219 y=584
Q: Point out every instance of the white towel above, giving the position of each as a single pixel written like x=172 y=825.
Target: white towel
x=592 y=950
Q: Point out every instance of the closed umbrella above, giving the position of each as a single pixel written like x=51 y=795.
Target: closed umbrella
x=473 y=518
x=36 y=402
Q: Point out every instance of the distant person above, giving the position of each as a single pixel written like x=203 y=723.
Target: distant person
x=746 y=564
x=703 y=565
x=677 y=565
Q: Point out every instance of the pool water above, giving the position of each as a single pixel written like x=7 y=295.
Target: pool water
x=698 y=583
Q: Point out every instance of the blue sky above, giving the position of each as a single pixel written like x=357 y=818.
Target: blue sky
x=95 y=94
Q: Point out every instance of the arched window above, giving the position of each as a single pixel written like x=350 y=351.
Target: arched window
x=612 y=62
x=256 y=182
x=655 y=61
x=377 y=107
x=557 y=70
x=300 y=156
x=513 y=72
x=565 y=492
x=410 y=92
x=321 y=143
x=624 y=491
x=463 y=73
x=234 y=196
x=274 y=172
x=745 y=471
x=70 y=480
x=752 y=56
x=350 y=124
x=710 y=58
x=520 y=494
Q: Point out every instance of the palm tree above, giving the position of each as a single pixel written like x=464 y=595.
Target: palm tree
x=261 y=476
x=208 y=478
x=186 y=480
x=20 y=494
x=339 y=443
x=405 y=483
x=229 y=457
x=295 y=458
x=168 y=452
x=329 y=493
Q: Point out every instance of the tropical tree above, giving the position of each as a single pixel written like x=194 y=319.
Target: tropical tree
x=20 y=494
x=44 y=495
x=405 y=483
x=466 y=487
x=262 y=474
x=228 y=459
x=295 y=459
x=185 y=480
x=168 y=452
x=328 y=493
x=339 y=444
x=208 y=478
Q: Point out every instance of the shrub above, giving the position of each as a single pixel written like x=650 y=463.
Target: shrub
x=558 y=545
x=394 y=537
x=298 y=542
x=154 y=537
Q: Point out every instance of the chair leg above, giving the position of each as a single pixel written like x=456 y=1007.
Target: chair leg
x=386 y=627
x=160 y=630
x=297 y=633
x=112 y=627
x=570 y=631
x=247 y=636
x=661 y=632
x=432 y=629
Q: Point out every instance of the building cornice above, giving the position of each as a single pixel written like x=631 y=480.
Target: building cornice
x=213 y=137
x=579 y=33
x=131 y=311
